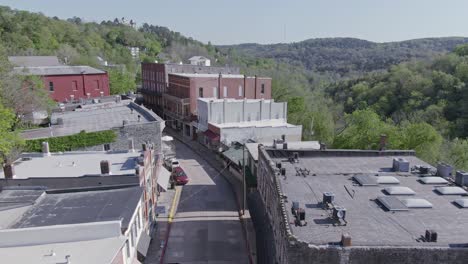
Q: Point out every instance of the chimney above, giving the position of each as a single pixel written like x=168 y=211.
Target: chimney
x=383 y=142
x=139 y=118
x=131 y=146
x=346 y=240
x=105 y=167
x=144 y=146
x=283 y=137
x=45 y=149
x=9 y=171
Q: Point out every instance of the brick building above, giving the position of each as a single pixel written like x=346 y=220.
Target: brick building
x=355 y=206
x=64 y=83
x=155 y=79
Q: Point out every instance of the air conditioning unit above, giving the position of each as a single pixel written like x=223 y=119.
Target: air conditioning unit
x=328 y=198
x=431 y=236
x=300 y=217
x=424 y=169
x=339 y=213
x=461 y=178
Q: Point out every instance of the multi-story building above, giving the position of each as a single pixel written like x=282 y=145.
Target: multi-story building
x=64 y=83
x=243 y=120
x=356 y=206
x=155 y=79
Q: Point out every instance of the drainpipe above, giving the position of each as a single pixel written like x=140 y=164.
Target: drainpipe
x=255 y=87
x=219 y=85
x=245 y=83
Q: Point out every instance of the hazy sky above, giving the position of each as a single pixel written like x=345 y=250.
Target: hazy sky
x=272 y=21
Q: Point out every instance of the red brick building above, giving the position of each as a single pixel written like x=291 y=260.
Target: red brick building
x=64 y=83
x=155 y=79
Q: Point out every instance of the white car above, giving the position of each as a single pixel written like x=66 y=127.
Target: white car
x=171 y=163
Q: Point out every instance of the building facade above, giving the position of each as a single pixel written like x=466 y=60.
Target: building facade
x=155 y=79
x=64 y=83
x=244 y=120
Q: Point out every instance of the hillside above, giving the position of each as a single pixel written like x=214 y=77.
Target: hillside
x=347 y=57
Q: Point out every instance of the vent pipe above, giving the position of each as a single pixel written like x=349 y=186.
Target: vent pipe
x=45 y=149
x=131 y=146
x=105 y=167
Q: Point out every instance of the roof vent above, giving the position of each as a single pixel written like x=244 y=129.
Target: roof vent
x=399 y=191
x=433 y=180
x=105 y=167
x=431 y=236
x=107 y=147
x=300 y=217
x=450 y=190
x=294 y=207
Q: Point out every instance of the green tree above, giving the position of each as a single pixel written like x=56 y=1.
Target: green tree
x=121 y=81
x=9 y=139
x=424 y=139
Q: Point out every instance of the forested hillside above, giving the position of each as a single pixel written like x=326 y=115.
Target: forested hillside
x=338 y=58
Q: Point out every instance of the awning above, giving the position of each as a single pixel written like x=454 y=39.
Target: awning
x=163 y=177
x=211 y=135
x=142 y=246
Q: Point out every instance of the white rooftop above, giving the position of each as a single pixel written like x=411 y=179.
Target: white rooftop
x=73 y=164
x=259 y=123
x=232 y=100
x=208 y=75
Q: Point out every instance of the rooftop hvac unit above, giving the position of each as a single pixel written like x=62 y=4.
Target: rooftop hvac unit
x=278 y=165
x=300 y=217
x=461 y=178
x=339 y=213
x=328 y=198
x=400 y=165
x=444 y=170
x=106 y=147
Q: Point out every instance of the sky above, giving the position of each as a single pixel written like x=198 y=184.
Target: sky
x=273 y=21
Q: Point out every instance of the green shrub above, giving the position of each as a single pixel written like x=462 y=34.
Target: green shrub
x=72 y=142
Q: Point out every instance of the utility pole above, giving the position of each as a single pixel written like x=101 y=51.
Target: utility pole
x=243 y=180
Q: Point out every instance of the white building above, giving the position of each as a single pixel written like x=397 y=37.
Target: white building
x=255 y=120
x=200 y=60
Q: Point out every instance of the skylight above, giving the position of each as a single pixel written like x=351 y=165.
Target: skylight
x=399 y=191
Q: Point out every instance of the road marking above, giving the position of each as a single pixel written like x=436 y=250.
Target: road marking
x=173 y=207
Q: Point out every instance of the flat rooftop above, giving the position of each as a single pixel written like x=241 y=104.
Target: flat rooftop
x=259 y=123
x=368 y=221
x=73 y=164
x=232 y=100
x=92 y=118
x=56 y=70
x=67 y=208
x=298 y=145
x=214 y=75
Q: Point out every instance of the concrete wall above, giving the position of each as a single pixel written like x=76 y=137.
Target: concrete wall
x=259 y=134
x=233 y=111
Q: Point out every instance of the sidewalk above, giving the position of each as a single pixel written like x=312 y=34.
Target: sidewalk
x=211 y=158
x=164 y=205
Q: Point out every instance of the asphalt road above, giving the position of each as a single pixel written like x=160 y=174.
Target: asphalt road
x=206 y=226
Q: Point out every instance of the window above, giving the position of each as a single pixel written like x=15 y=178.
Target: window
x=225 y=91
x=74 y=85
x=96 y=84
x=51 y=86
x=240 y=90
x=200 y=92
x=263 y=88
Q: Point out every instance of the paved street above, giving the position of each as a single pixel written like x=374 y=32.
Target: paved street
x=206 y=226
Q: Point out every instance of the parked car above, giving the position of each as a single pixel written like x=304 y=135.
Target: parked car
x=171 y=163
x=179 y=176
